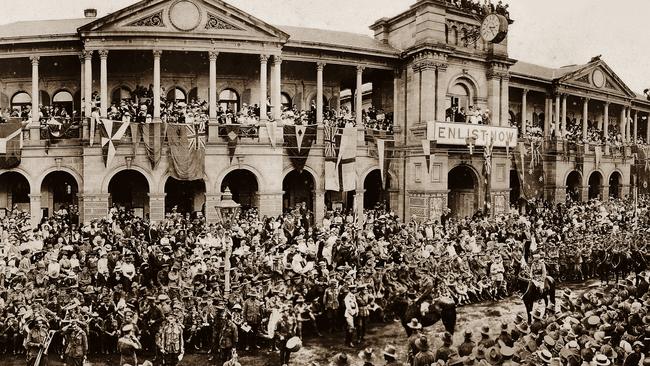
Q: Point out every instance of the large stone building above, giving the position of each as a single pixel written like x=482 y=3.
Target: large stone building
x=419 y=64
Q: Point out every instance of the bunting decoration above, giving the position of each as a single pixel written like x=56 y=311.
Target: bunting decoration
x=531 y=172
x=330 y=153
x=11 y=143
x=429 y=148
x=232 y=134
x=347 y=158
x=271 y=126
x=298 y=141
x=94 y=120
x=186 y=151
x=384 y=144
x=153 y=135
x=135 y=138
x=487 y=155
x=641 y=168
x=58 y=128
x=111 y=132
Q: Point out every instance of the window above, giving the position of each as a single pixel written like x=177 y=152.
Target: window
x=63 y=99
x=286 y=101
x=20 y=100
x=120 y=94
x=229 y=99
x=176 y=95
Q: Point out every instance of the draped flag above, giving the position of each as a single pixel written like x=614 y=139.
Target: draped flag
x=330 y=153
x=347 y=158
x=531 y=171
x=11 y=143
x=487 y=155
x=57 y=129
x=232 y=134
x=186 y=151
x=429 y=149
x=112 y=132
x=598 y=152
x=135 y=138
x=384 y=143
x=641 y=168
x=271 y=127
x=153 y=135
x=298 y=141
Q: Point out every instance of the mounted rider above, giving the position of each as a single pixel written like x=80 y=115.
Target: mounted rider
x=538 y=272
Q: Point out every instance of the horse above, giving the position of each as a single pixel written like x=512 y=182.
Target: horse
x=426 y=310
x=533 y=294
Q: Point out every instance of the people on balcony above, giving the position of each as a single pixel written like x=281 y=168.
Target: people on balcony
x=481 y=9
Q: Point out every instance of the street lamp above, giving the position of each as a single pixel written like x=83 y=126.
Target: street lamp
x=227 y=209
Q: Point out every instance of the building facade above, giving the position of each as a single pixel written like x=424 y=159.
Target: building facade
x=419 y=66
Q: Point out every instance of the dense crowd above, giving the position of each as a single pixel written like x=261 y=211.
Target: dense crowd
x=157 y=289
x=481 y=9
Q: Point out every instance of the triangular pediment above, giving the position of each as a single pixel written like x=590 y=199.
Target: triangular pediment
x=202 y=18
x=598 y=76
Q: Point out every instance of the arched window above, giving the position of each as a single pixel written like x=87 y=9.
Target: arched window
x=176 y=94
x=459 y=96
x=20 y=100
x=229 y=99
x=119 y=94
x=44 y=98
x=193 y=95
x=63 y=99
x=286 y=101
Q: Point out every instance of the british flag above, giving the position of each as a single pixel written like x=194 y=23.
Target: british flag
x=196 y=137
x=330 y=141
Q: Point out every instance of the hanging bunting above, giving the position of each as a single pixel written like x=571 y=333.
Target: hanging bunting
x=298 y=154
x=231 y=133
x=58 y=128
x=300 y=134
x=271 y=127
x=347 y=158
x=330 y=153
x=580 y=157
x=153 y=135
x=111 y=132
x=429 y=148
x=531 y=173
x=11 y=143
x=135 y=138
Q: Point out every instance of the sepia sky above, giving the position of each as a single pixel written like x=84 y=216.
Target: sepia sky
x=549 y=32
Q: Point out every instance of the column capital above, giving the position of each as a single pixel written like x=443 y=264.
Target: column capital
x=525 y=91
x=277 y=59
x=607 y=103
x=397 y=72
x=586 y=100
x=212 y=55
x=34 y=59
x=103 y=54
x=264 y=58
x=157 y=53
x=320 y=65
x=565 y=96
x=360 y=69
x=87 y=54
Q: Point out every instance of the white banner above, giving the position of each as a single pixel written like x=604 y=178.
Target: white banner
x=446 y=133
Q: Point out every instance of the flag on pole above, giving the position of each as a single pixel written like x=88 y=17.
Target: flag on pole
x=11 y=143
x=347 y=158
x=112 y=132
x=330 y=153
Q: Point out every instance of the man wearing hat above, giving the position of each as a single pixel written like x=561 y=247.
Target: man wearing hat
x=170 y=340
x=415 y=327
x=351 y=312
x=424 y=357
x=36 y=339
x=331 y=304
x=76 y=343
x=443 y=353
x=390 y=355
x=252 y=315
x=128 y=345
x=467 y=347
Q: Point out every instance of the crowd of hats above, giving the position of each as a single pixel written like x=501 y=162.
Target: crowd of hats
x=113 y=269
x=481 y=8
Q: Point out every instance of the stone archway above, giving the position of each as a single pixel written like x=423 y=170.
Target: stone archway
x=615 y=185
x=573 y=185
x=595 y=185
x=59 y=189
x=298 y=187
x=184 y=196
x=374 y=192
x=14 y=191
x=129 y=189
x=244 y=187
x=463 y=186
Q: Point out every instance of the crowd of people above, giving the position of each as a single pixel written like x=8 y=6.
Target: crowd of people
x=481 y=8
x=157 y=290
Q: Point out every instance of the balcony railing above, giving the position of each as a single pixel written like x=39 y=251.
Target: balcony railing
x=243 y=131
x=58 y=128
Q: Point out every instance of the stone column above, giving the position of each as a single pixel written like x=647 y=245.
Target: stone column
x=564 y=121
x=414 y=100
x=82 y=86
x=636 y=121
x=35 y=208
x=34 y=129
x=156 y=83
x=606 y=120
x=88 y=84
x=319 y=92
x=157 y=206
x=276 y=96
x=628 y=135
x=548 y=115
x=585 y=116
x=558 y=123
x=396 y=77
x=621 y=123
x=428 y=93
x=319 y=207
x=358 y=206
x=441 y=91
x=95 y=206
x=212 y=95
x=359 y=97
x=263 y=80
x=103 y=82
x=494 y=93
x=524 y=110
x=211 y=202
x=505 y=100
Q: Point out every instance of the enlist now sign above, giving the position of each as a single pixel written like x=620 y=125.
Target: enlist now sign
x=446 y=133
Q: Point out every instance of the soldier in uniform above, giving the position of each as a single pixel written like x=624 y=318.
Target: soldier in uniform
x=35 y=341
x=363 y=301
x=538 y=272
x=128 y=345
x=285 y=330
x=170 y=340
x=351 y=312
x=228 y=337
x=253 y=314
x=331 y=305
x=76 y=344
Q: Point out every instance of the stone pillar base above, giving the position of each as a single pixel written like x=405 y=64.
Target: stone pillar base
x=156 y=207
x=213 y=131
x=95 y=206
x=35 y=209
x=211 y=213
x=319 y=207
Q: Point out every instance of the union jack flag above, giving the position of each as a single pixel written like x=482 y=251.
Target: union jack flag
x=196 y=137
x=330 y=141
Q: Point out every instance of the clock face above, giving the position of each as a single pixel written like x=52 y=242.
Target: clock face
x=490 y=28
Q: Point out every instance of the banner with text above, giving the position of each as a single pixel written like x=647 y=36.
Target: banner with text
x=446 y=133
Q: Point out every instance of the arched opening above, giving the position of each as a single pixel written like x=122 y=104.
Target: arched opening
x=44 y=98
x=615 y=185
x=176 y=94
x=463 y=187
x=573 y=183
x=298 y=187
x=129 y=189
x=193 y=95
x=375 y=194
x=515 y=188
x=119 y=94
x=58 y=192
x=184 y=196
x=243 y=186
x=286 y=101
x=229 y=100
x=20 y=101
x=63 y=100
x=595 y=185
x=458 y=101
x=14 y=191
